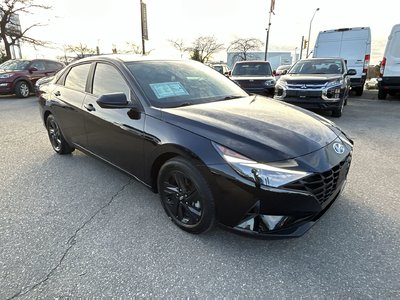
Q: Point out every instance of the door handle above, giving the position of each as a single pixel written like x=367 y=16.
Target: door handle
x=58 y=93
x=89 y=107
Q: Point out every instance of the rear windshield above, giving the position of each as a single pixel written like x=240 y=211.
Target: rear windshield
x=252 y=69
x=318 y=66
x=14 y=65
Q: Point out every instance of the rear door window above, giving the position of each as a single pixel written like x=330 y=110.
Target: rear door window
x=77 y=77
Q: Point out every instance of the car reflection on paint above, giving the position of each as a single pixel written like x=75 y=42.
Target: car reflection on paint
x=213 y=152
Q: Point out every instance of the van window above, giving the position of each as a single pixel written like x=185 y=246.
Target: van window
x=394 y=45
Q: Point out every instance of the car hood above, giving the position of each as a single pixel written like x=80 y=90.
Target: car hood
x=258 y=127
x=310 y=77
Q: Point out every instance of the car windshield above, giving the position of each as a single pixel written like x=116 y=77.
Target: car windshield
x=178 y=83
x=252 y=69
x=317 y=66
x=14 y=65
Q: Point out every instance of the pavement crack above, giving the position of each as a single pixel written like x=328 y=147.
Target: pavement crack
x=71 y=242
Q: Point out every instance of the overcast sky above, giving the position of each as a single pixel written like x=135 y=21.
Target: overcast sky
x=107 y=23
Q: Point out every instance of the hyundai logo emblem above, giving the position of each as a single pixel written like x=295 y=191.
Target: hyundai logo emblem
x=339 y=148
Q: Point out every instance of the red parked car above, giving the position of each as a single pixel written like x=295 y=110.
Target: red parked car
x=18 y=76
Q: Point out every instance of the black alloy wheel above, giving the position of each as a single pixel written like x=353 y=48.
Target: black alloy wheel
x=57 y=140
x=185 y=196
x=382 y=94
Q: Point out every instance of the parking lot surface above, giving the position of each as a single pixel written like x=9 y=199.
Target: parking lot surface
x=72 y=226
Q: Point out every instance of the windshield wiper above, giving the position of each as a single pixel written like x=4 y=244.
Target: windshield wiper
x=230 y=97
x=183 y=104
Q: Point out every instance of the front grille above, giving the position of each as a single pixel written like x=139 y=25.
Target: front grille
x=323 y=185
x=303 y=93
x=251 y=83
x=306 y=86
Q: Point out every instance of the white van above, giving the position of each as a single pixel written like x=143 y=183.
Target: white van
x=389 y=77
x=351 y=44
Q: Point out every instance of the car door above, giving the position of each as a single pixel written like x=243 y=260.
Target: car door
x=68 y=96
x=114 y=134
x=37 y=70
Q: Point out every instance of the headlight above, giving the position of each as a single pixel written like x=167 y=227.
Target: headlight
x=269 y=82
x=6 y=75
x=272 y=175
x=335 y=83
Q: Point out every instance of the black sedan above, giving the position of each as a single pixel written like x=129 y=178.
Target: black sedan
x=316 y=83
x=212 y=152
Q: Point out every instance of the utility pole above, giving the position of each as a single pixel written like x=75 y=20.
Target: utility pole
x=309 y=32
x=145 y=34
x=301 y=47
x=271 y=11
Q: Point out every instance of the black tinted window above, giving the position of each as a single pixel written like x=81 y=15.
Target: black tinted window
x=76 y=78
x=108 y=80
x=52 y=65
x=252 y=69
x=39 y=65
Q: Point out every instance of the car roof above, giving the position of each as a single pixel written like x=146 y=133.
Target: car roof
x=251 y=61
x=130 y=58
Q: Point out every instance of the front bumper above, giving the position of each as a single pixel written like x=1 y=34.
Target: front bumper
x=6 y=88
x=246 y=209
x=312 y=99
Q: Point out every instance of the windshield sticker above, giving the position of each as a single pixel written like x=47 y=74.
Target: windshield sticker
x=168 y=89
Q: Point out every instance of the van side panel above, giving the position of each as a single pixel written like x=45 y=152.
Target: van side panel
x=351 y=44
x=392 y=54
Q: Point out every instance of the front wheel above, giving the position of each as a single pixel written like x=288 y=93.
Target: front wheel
x=382 y=94
x=337 y=112
x=56 y=137
x=186 y=196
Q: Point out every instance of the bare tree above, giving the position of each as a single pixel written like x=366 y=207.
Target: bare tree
x=132 y=48
x=204 y=48
x=179 y=45
x=9 y=9
x=80 y=50
x=243 y=46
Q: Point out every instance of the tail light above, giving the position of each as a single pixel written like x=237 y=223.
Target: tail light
x=366 y=64
x=383 y=64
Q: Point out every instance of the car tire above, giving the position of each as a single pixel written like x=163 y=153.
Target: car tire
x=337 y=112
x=185 y=195
x=57 y=140
x=22 y=89
x=359 y=90
x=382 y=94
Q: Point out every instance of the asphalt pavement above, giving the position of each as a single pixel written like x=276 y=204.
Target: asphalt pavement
x=72 y=226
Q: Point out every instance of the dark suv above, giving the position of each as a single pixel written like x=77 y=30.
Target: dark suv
x=254 y=77
x=18 y=76
x=317 y=83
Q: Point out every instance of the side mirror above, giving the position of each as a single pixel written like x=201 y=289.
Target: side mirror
x=274 y=72
x=230 y=73
x=351 y=72
x=284 y=72
x=32 y=69
x=114 y=100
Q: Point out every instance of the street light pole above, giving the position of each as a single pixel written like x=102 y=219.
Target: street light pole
x=309 y=32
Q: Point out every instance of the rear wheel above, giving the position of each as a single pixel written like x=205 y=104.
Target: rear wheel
x=359 y=90
x=22 y=89
x=382 y=94
x=186 y=196
x=57 y=140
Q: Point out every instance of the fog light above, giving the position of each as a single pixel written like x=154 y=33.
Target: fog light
x=272 y=221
